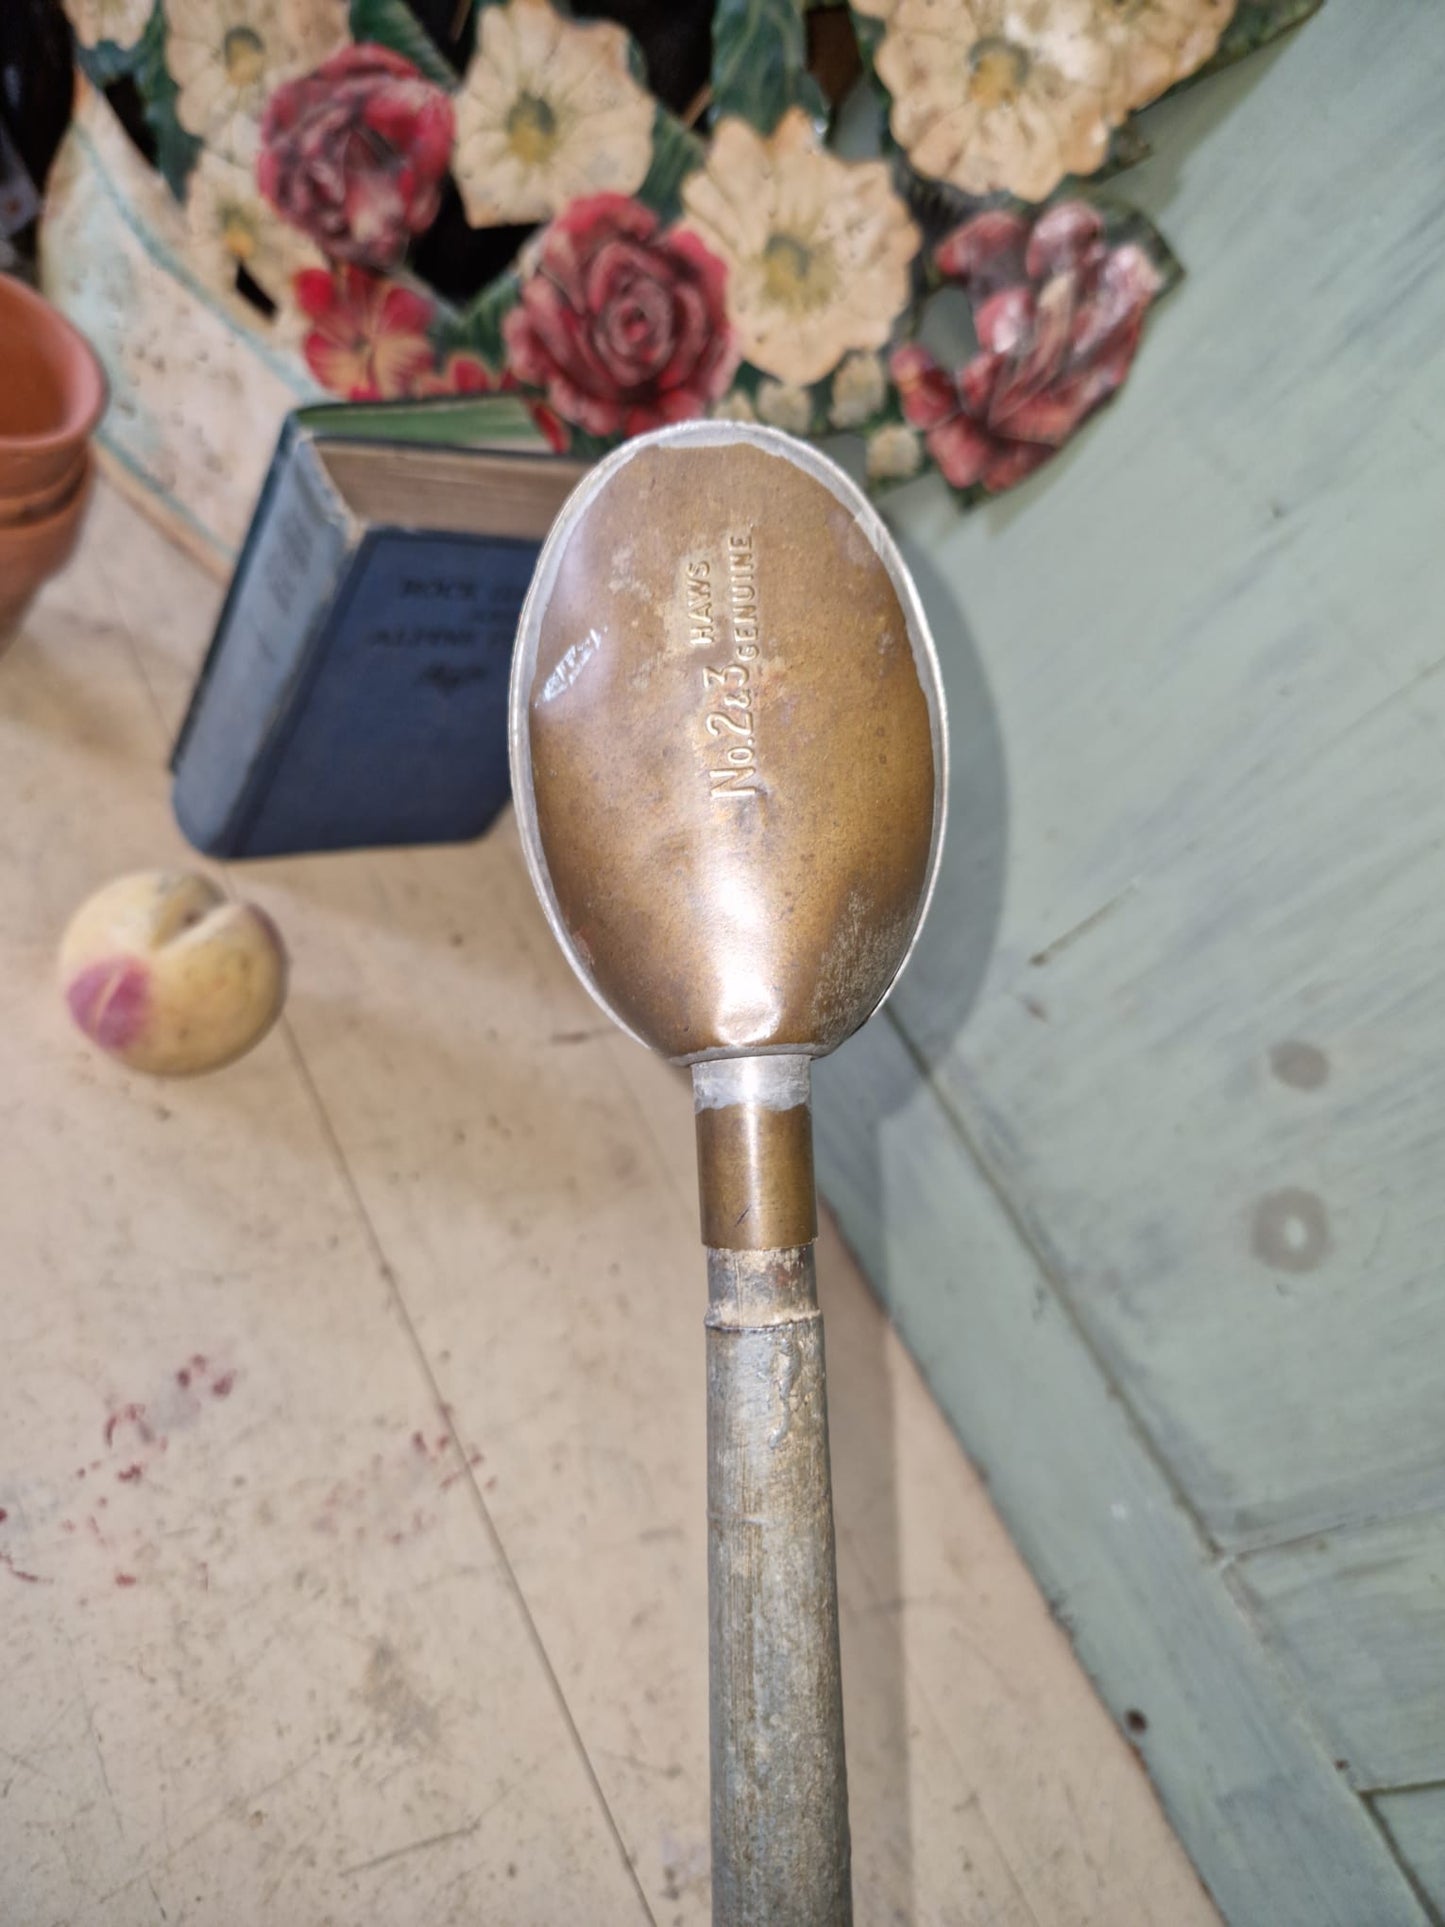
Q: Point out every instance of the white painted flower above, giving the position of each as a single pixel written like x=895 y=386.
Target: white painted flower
x=228 y=56
x=894 y=453
x=119 y=21
x=784 y=405
x=858 y=390
x=231 y=226
x=548 y=111
x=733 y=408
x=1001 y=95
x=817 y=249
x=1158 y=42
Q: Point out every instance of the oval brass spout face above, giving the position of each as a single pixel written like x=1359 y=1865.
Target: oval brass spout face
x=728 y=744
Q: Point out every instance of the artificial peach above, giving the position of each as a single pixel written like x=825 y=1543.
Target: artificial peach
x=165 y=973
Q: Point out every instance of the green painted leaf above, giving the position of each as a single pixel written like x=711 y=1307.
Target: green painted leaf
x=676 y=153
x=451 y=420
x=176 y=150
x=760 y=61
x=477 y=329
x=869 y=32
x=1125 y=223
x=105 y=63
x=1255 y=24
x=589 y=448
x=1126 y=149
x=390 y=23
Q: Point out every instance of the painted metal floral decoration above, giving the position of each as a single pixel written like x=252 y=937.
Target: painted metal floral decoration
x=642 y=270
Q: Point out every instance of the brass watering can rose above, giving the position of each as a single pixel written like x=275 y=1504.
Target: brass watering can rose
x=733 y=745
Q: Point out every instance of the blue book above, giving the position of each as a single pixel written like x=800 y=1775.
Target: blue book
x=355 y=690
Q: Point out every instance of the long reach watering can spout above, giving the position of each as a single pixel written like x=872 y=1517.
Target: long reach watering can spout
x=728 y=764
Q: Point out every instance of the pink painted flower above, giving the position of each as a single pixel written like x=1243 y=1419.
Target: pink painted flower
x=368 y=338
x=461 y=374
x=1058 y=314
x=355 y=154
x=623 y=327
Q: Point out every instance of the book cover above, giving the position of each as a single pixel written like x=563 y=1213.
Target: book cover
x=355 y=690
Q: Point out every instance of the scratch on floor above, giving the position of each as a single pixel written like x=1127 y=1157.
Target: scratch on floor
x=1091 y=922
x=413 y=1846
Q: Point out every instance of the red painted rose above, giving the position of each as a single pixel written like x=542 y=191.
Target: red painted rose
x=355 y=153
x=1058 y=314
x=623 y=327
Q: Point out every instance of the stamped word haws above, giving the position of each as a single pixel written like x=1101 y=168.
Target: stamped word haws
x=731 y=761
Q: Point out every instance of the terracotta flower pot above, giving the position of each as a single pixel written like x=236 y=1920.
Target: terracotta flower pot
x=32 y=551
x=36 y=504
x=51 y=397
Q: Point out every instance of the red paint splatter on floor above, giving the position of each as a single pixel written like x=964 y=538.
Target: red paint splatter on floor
x=388 y=1489
x=4 y=1515
x=131 y=1475
x=129 y=1415
x=125 y=1579
x=7 y=1560
x=223 y=1386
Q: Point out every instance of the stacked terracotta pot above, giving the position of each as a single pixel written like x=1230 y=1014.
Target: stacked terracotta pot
x=52 y=395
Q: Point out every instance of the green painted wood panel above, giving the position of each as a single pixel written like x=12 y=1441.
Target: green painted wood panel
x=1359 y=1618
x=1145 y=1157
x=1278 y=1836
x=1181 y=981
x=1415 y=1821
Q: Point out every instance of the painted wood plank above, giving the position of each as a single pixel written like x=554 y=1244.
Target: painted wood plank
x=1271 y=1824
x=1360 y=1619
x=530 y=1179
x=1415 y=1822
x=1181 y=975
x=930 y=1580
x=256 y=1637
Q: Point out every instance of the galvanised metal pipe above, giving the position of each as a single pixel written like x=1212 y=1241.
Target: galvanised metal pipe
x=779 y=1781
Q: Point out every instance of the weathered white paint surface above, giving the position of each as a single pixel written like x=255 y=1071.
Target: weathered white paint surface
x=198 y=393
x=1180 y=998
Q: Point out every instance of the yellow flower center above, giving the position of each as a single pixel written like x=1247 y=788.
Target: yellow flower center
x=238 y=236
x=244 y=53
x=797 y=275
x=997 y=70
x=532 y=131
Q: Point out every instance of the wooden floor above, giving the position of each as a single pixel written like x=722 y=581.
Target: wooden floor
x=351 y=1457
